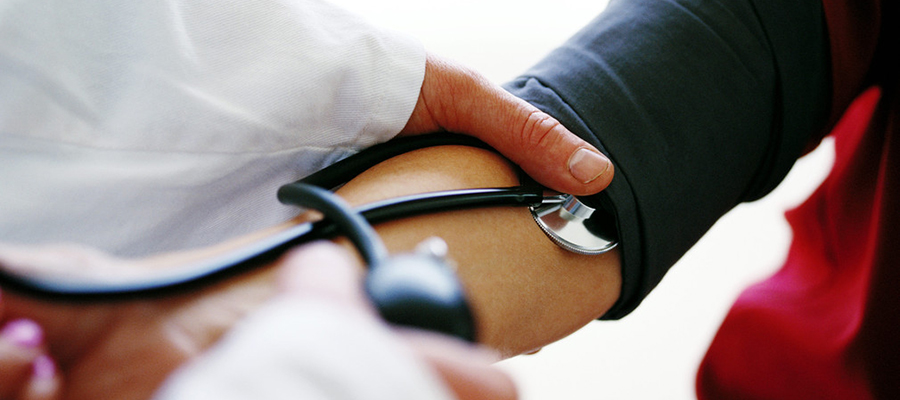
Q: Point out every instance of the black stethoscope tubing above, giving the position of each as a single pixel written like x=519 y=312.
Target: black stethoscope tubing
x=269 y=249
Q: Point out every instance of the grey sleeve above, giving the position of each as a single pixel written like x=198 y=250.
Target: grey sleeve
x=701 y=105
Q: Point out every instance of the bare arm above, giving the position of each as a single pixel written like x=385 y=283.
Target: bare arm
x=526 y=291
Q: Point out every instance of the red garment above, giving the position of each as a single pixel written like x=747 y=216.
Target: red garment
x=827 y=326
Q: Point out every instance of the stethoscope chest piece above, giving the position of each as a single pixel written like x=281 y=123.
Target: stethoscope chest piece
x=563 y=219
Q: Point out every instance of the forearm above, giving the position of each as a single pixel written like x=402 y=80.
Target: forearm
x=701 y=105
x=526 y=291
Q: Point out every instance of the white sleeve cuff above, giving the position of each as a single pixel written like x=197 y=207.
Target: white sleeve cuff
x=306 y=350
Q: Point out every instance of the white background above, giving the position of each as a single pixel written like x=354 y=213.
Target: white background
x=653 y=353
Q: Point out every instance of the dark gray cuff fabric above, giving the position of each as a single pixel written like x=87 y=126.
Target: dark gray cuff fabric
x=700 y=105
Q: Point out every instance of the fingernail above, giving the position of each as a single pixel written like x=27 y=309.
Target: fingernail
x=23 y=333
x=43 y=367
x=587 y=165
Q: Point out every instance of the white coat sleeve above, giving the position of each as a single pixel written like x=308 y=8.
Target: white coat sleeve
x=306 y=350
x=139 y=127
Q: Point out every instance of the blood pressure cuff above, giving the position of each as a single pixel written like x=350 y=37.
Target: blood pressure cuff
x=700 y=105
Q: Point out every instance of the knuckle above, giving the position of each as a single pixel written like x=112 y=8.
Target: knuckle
x=539 y=130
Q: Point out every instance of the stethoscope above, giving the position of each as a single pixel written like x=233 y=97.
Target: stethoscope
x=419 y=289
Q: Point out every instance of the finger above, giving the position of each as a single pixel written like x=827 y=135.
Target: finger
x=457 y=99
x=45 y=383
x=20 y=342
x=466 y=369
x=15 y=366
x=323 y=270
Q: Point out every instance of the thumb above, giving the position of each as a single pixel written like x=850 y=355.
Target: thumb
x=457 y=99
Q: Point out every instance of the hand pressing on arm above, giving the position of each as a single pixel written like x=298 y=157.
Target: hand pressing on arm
x=456 y=99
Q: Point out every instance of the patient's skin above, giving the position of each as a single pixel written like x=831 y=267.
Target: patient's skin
x=526 y=291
